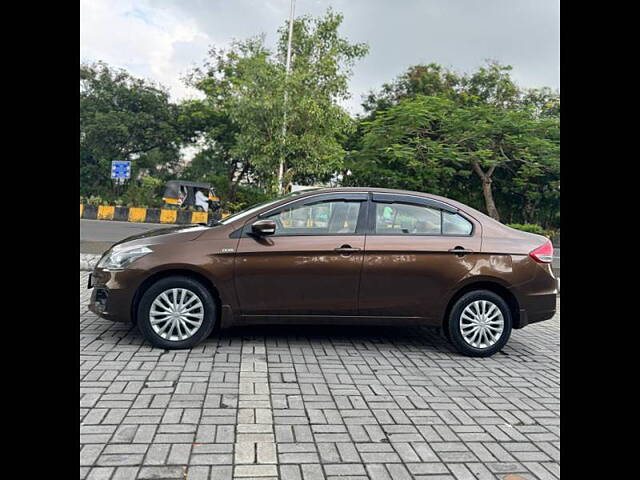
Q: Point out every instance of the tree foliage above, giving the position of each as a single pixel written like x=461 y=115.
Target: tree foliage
x=245 y=88
x=124 y=118
x=477 y=137
x=474 y=137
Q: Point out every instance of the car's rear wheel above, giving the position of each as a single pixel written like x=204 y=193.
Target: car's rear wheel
x=176 y=312
x=479 y=324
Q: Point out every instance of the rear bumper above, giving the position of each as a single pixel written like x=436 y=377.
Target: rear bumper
x=543 y=307
x=537 y=297
x=537 y=307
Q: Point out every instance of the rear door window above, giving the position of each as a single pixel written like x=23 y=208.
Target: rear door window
x=411 y=219
x=406 y=219
x=455 y=224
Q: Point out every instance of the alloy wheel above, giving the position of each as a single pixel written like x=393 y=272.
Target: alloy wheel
x=481 y=324
x=176 y=314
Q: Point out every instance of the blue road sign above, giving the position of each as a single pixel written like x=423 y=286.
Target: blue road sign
x=120 y=169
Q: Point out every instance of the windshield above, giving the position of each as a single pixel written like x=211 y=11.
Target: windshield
x=251 y=210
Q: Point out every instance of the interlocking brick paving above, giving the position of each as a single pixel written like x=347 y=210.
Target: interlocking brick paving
x=316 y=403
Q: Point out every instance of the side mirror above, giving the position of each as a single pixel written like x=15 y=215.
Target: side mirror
x=264 y=227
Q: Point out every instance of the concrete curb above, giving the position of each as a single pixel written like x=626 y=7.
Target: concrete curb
x=141 y=214
x=88 y=261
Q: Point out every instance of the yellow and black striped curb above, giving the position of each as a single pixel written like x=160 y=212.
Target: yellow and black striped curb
x=141 y=214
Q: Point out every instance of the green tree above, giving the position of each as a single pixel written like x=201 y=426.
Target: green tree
x=428 y=80
x=214 y=162
x=124 y=118
x=433 y=143
x=488 y=138
x=457 y=134
x=403 y=147
x=245 y=87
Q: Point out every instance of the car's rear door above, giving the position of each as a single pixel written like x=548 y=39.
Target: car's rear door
x=410 y=260
x=311 y=265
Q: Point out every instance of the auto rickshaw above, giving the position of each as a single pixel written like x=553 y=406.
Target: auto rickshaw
x=182 y=194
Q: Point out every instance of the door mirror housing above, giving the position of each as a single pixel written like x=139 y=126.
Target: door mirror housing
x=264 y=227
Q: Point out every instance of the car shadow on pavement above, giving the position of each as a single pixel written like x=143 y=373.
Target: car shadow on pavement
x=418 y=336
x=430 y=340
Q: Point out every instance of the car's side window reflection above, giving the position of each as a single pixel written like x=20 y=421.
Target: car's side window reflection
x=324 y=218
x=404 y=219
x=454 y=224
x=408 y=219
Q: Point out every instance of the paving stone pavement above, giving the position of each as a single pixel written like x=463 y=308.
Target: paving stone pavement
x=313 y=403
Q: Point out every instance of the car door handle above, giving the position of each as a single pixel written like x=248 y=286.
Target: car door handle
x=460 y=251
x=346 y=249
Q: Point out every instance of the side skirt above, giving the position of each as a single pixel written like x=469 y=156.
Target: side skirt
x=332 y=320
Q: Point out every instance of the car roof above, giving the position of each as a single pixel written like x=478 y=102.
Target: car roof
x=319 y=190
x=477 y=214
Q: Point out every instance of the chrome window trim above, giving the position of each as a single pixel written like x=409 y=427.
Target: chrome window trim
x=303 y=200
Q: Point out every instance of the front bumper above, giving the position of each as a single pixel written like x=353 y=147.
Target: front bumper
x=112 y=295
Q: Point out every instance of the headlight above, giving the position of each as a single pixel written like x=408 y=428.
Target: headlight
x=118 y=259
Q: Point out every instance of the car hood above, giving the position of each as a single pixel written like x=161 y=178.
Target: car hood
x=179 y=233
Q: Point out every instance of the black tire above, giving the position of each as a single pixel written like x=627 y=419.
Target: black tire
x=445 y=333
x=453 y=323
x=209 y=318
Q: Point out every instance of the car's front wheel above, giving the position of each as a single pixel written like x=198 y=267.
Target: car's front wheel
x=479 y=324
x=176 y=312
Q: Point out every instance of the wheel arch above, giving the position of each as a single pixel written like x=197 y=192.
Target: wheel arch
x=171 y=272
x=493 y=286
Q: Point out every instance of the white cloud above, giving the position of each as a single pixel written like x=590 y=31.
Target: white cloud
x=154 y=43
x=163 y=39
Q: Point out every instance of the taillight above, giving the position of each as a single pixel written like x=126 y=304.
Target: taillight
x=543 y=254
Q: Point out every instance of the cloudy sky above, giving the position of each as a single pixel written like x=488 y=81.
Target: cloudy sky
x=163 y=39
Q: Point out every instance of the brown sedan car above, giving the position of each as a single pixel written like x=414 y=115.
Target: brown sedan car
x=338 y=256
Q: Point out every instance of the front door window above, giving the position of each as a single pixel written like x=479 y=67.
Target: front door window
x=325 y=218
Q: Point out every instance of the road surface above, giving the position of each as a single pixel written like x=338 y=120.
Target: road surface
x=315 y=402
x=98 y=235
x=556 y=261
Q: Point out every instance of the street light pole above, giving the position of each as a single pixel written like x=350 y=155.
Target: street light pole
x=284 y=123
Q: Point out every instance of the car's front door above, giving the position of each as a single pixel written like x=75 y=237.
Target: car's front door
x=311 y=265
x=410 y=261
